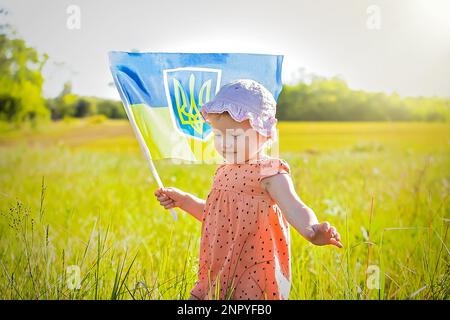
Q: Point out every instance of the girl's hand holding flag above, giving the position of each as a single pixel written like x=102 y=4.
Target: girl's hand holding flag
x=172 y=197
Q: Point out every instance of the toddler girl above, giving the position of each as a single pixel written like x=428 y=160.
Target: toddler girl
x=245 y=239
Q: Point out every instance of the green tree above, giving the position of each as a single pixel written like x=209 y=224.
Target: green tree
x=64 y=104
x=21 y=79
x=84 y=108
x=111 y=109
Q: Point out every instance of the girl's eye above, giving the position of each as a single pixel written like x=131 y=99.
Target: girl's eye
x=218 y=133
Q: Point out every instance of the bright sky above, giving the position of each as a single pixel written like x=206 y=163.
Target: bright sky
x=409 y=53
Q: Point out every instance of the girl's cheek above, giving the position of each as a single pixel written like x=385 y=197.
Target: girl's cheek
x=242 y=146
x=218 y=144
x=253 y=144
x=226 y=143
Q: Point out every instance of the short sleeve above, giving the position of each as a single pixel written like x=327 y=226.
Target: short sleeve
x=272 y=167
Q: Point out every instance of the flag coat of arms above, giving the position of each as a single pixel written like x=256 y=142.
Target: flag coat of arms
x=163 y=94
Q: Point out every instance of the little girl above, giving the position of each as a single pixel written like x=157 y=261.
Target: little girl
x=245 y=239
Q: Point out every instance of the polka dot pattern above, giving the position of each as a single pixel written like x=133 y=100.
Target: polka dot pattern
x=245 y=240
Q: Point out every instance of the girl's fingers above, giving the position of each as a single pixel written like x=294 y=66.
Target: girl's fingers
x=326 y=233
x=324 y=227
x=163 y=198
x=169 y=206
x=160 y=195
x=338 y=236
x=332 y=231
x=334 y=234
x=161 y=192
x=170 y=192
x=166 y=202
x=166 y=197
x=335 y=243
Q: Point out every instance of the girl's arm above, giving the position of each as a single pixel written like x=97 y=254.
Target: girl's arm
x=194 y=206
x=172 y=197
x=299 y=215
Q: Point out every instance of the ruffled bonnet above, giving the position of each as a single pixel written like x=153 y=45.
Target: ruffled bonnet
x=245 y=99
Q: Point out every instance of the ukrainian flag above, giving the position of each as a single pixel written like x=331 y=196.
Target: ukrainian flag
x=163 y=93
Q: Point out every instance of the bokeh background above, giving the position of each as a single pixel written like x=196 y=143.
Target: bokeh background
x=363 y=122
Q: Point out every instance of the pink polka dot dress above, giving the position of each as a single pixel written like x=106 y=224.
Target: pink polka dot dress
x=245 y=239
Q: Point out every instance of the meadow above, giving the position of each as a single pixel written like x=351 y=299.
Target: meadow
x=79 y=219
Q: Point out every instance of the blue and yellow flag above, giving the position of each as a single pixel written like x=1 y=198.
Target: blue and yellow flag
x=164 y=92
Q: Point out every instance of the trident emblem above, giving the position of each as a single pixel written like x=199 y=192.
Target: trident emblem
x=187 y=89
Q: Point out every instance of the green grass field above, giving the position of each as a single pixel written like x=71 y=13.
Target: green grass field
x=76 y=202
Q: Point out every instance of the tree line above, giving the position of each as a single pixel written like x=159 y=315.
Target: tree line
x=322 y=99
x=67 y=104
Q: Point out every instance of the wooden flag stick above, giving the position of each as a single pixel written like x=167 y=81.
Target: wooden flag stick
x=141 y=141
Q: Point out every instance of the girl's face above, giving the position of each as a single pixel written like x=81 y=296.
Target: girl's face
x=236 y=141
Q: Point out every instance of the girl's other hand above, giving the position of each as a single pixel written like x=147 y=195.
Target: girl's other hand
x=170 y=197
x=323 y=233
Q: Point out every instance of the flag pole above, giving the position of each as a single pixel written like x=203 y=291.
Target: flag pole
x=148 y=156
x=141 y=141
